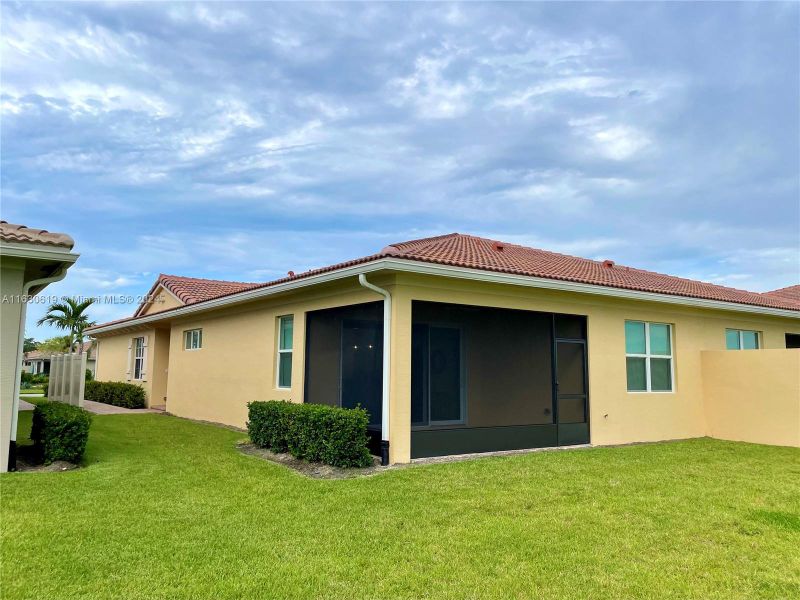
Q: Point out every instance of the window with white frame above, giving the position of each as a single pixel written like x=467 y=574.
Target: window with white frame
x=285 y=333
x=193 y=339
x=648 y=356
x=741 y=339
x=138 y=357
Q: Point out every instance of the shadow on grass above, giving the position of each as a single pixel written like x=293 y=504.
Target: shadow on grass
x=777 y=518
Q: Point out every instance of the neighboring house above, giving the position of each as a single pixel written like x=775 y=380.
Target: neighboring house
x=30 y=259
x=458 y=344
x=37 y=362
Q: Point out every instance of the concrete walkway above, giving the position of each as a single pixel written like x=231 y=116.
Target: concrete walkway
x=99 y=408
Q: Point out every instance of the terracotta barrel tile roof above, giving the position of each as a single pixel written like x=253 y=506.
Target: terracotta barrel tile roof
x=193 y=289
x=20 y=234
x=480 y=253
x=473 y=252
x=791 y=293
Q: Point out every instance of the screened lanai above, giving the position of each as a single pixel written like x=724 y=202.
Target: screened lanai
x=487 y=379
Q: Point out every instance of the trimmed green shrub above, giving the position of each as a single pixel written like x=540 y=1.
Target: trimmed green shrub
x=89 y=376
x=29 y=379
x=59 y=432
x=313 y=432
x=116 y=393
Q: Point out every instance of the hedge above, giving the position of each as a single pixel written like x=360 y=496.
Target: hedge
x=59 y=432
x=117 y=393
x=314 y=432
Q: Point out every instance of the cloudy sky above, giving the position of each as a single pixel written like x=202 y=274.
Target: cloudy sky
x=241 y=141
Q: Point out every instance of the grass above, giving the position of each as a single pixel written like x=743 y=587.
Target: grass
x=32 y=390
x=167 y=508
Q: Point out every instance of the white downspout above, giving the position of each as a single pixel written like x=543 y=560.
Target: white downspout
x=12 y=451
x=387 y=333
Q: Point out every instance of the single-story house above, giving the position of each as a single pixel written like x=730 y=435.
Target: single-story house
x=37 y=362
x=30 y=260
x=458 y=344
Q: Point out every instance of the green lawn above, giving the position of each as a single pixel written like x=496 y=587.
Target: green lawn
x=166 y=508
x=32 y=390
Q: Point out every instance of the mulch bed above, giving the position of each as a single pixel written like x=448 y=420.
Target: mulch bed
x=26 y=462
x=309 y=469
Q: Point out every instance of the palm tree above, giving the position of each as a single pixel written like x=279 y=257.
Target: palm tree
x=71 y=316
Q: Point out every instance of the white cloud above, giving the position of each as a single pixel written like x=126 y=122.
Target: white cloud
x=26 y=39
x=216 y=17
x=310 y=133
x=612 y=141
x=84 y=97
x=430 y=92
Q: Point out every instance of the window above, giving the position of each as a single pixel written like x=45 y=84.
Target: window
x=193 y=339
x=793 y=340
x=739 y=339
x=648 y=356
x=138 y=357
x=285 y=332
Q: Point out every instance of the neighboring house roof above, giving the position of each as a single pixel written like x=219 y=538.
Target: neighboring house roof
x=193 y=289
x=467 y=251
x=20 y=234
x=791 y=293
x=90 y=349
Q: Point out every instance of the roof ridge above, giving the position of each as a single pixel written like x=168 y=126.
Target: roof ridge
x=627 y=267
x=185 y=278
x=783 y=289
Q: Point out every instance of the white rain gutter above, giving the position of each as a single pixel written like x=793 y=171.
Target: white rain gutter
x=62 y=272
x=387 y=333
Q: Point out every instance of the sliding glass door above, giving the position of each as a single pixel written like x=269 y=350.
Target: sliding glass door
x=437 y=395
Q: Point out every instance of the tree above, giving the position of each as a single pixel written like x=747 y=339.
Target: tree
x=30 y=345
x=55 y=345
x=69 y=315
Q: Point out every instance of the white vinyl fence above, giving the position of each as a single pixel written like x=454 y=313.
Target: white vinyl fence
x=67 y=378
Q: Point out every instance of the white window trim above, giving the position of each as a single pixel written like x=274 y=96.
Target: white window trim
x=137 y=358
x=647 y=356
x=187 y=332
x=283 y=351
x=741 y=333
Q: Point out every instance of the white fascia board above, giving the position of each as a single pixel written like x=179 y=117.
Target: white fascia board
x=38 y=252
x=411 y=266
x=582 y=288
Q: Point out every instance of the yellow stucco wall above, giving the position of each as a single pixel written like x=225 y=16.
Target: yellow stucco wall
x=113 y=362
x=237 y=362
x=162 y=300
x=159 y=369
x=753 y=396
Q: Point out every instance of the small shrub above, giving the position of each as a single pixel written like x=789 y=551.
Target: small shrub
x=313 y=432
x=59 y=432
x=116 y=393
x=89 y=376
